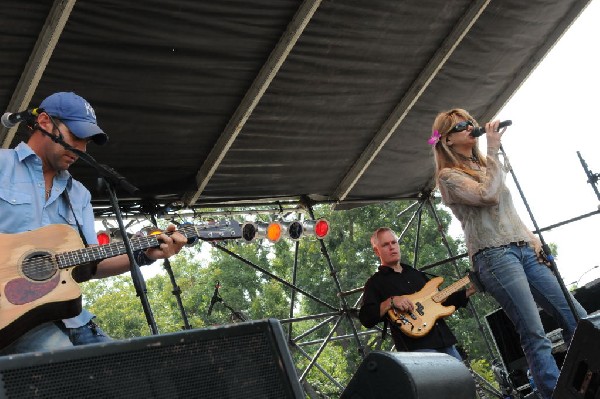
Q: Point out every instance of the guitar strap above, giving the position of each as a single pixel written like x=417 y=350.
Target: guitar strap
x=66 y=195
x=80 y=274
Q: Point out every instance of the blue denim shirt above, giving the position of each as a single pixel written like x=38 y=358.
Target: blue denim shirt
x=23 y=206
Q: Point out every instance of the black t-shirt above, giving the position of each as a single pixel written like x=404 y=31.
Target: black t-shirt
x=386 y=283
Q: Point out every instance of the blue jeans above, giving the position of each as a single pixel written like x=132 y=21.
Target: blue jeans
x=515 y=278
x=49 y=336
x=449 y=350
x=90 y=333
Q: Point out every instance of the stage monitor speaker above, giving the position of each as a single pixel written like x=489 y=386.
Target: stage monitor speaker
x=580 y=375
x=410 y=375
x=245 y=360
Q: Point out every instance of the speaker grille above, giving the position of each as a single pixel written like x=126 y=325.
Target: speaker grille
x=233 y=362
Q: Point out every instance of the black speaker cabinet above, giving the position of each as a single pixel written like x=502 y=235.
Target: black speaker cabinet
x=508 y=344
x=507 y=340
x=405 y=375
x=246 y=360
x=580 y=375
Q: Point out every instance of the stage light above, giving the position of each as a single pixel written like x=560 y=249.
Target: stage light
x=103 y=237
x=292 y=230
x=274 y=231
x=249 y=231
x=271 y=231
x=110 y=235
x=318 y=228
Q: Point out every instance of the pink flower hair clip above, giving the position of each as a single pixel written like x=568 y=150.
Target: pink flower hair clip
x=435 y=138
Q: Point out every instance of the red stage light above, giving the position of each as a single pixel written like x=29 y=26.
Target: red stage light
x=321 y=228
x=103 y=238
x=318 y=228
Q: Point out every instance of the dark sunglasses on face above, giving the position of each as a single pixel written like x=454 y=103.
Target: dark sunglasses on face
x=460 y=126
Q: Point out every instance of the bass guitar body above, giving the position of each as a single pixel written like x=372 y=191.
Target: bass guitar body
x=426 y=311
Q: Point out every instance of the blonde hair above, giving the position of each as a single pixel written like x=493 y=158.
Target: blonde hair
x=445 y=156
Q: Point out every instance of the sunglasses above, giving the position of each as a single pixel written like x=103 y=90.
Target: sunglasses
x=460 y=126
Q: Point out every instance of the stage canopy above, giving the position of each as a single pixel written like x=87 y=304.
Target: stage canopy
x=210 y=102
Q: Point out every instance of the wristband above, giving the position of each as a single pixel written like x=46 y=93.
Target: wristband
x=142 y=259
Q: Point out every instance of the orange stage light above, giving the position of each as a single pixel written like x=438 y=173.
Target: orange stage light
x=273 y=231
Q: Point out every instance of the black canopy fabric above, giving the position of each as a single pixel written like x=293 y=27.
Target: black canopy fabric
x=230 y=100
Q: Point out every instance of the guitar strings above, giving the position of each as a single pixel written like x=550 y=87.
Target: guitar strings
x=76 y=257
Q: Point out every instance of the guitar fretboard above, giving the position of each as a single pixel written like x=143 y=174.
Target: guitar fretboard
x=99 y=252
x=84 y=255
x=451 y=289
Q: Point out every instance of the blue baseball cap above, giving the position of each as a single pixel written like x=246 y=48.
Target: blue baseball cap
x=75 y=112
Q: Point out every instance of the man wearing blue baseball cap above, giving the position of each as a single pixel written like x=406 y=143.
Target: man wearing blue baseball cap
x=76 y=113
x=36 y=191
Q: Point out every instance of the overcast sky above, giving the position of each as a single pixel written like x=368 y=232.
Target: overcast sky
x=554 y=115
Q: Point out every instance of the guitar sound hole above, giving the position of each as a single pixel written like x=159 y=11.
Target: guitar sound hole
x=39 y=266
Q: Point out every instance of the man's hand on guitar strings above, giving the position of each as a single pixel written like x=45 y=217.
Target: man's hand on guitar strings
x=402 y=304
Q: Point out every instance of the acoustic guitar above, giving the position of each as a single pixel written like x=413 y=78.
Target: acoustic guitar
x=36 y=282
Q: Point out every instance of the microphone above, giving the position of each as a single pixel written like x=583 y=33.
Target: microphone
x=479 y=131
x=10 y=120
x=215 y=298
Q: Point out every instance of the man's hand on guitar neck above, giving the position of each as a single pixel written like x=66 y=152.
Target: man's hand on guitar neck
x=170 y=244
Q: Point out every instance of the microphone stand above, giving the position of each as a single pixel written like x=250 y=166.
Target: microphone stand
x=545 y=247
x=592 y=177
x=177 y=293
x=234 y=313
x=112 y=179
x=176 y=289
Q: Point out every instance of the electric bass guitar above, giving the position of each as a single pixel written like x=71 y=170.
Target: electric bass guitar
x=36 y=282
x=428 y=306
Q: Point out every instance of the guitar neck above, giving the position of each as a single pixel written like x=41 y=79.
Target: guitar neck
x=451 y=289
x=99 y=252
